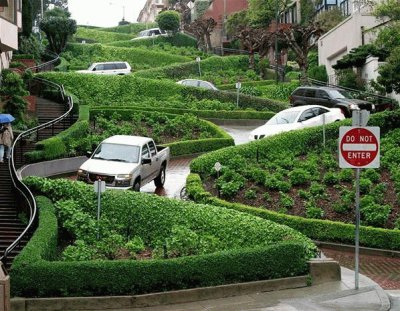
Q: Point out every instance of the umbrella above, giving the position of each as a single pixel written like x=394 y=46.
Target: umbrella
x=6 y=118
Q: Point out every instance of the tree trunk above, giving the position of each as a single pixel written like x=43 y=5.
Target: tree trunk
x=251 y=59
x=208 y=40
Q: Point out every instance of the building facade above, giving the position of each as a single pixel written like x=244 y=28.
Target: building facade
x=150 y=10
x=219 y=10
x=356 y=30
x=10 y=25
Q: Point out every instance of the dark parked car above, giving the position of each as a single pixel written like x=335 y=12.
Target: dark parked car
x=329 y=97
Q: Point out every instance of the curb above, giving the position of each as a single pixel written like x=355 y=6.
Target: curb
x=155 y=299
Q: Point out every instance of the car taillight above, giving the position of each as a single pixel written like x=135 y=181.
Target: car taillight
x=290 y=98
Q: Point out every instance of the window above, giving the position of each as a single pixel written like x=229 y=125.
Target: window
x=145 y=152
x=120 y=65
x=306 y=115
x=299 y=92
x=321 y=94
x=309 y=93
x=191 y=82
x=99 y=67
x=109 y=66
x=319 y=111
x=153 y=149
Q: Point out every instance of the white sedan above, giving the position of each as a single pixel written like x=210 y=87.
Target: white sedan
x=297 y=118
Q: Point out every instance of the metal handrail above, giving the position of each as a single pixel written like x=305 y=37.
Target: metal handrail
x=18 y=184
x=40 y=67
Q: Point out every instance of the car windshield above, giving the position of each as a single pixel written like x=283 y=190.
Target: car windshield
x=119 y=153
x=339 y=94
x=284 y=117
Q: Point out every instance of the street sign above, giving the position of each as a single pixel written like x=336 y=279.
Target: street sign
x=99 y=186
x=359 y=147
x=217 y=166
x=360 y=117
x=238 y=85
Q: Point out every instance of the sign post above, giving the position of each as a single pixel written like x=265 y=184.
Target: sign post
x=358 y=148
x=198 y=62
x=99 y=187
x=238 y=87
x=217 y=167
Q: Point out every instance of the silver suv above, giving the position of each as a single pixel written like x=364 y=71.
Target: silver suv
x=329 y=97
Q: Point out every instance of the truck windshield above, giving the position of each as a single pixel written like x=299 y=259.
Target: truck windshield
x=120 y=153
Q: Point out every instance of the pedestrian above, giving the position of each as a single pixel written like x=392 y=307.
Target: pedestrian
x=6 y=138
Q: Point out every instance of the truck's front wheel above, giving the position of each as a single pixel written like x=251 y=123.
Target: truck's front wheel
x=136 y=185
x=160 y=179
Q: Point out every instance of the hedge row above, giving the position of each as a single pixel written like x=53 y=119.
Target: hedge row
x=98 y=90
x=179 y=40
x=232 y=86
x=205 y=114
x=101 y=36
x=221 y=138
x=34 y=274
x=82 y=55
x=298 y=142
x=208 y=65
x=133 y=28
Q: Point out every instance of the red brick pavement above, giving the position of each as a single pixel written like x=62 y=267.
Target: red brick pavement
x=383 y=270
x=177 y=171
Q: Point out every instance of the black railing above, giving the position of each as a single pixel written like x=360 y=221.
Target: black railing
x=26 y=198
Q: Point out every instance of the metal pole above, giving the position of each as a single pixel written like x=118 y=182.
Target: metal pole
x=237 y=97
x=98 y=207
x=276 y=40
x=41 y=9
x=199 y=69
x=323 y=129
x=357 y=235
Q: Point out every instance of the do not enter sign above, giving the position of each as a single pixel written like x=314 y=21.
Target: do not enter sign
x=359 y=147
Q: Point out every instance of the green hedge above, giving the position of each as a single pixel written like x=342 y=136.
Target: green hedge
x=232 y=86
x=179 y=39
x=263 y=253
x=210 y=65
x=221 y=138
x=205 y=114
x=98 y=90
x=133 y=28
x=101 y=36
x=82 y=55
x=298 y=142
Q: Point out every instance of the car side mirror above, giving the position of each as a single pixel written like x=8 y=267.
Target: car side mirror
x=94 y=69
x=88 y=154
x=146 y=161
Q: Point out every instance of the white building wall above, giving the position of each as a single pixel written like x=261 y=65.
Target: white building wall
x=336 y=43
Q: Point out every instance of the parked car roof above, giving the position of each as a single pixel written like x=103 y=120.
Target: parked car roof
x=198 y=83
x=127 y=140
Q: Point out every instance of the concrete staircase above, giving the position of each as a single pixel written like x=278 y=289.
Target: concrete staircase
x=11 y=219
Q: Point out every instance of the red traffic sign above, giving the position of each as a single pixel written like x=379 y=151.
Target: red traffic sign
x=359 y=147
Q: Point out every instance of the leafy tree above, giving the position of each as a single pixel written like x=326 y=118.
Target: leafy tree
x=301 y=39
x=390 y=72
x=182 y=7
x=237 y=21
x=168 y=20
x=262 y=12
x=31 y=45
x=202 y=29
x=26 y=18
x=357 y=56
x=36 y=5
x=12 y=89
x=58 y=27
x=388 y=8
x=329 y=19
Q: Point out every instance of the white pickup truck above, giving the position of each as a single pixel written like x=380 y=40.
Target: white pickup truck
x=126 y=162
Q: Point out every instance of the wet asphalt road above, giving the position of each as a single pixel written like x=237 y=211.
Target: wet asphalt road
x=178 y=169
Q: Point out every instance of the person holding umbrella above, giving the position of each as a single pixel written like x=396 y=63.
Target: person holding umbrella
x=6 y=136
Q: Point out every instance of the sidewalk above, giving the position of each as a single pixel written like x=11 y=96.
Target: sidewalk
x=339 y=295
